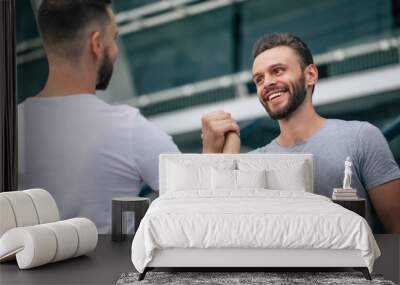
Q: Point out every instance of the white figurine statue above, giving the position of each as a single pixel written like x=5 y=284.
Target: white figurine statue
x=347 y=174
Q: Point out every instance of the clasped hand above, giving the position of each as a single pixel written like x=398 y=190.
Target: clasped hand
x=220 y=133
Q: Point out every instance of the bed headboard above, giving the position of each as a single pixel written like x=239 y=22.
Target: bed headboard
x=274 y=161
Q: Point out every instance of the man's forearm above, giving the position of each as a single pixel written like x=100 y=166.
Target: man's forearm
x=208 y=149
x=232 y=143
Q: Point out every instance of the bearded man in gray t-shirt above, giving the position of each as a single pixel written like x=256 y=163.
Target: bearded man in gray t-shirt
x=285 y=76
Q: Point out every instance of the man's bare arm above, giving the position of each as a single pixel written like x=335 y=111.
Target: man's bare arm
x=386 y=201
x=232 y=143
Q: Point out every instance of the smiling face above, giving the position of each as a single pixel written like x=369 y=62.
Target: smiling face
x=280 y=81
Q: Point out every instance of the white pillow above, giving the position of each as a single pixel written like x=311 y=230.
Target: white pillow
x=282 y=174
x=293 y=180
x=251 y=178
x=191 y=174
x=185 y=177
x=223 y=179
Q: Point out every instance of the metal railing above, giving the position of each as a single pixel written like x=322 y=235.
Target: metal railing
x=137 y=19
x=239 y=80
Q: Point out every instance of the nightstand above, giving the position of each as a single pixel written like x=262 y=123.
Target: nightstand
x=138 y=205
x=358 y=206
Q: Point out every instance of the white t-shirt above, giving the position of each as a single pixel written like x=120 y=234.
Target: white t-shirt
x=85 y=151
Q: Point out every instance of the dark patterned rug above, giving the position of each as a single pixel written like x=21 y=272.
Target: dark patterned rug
x=273 y=278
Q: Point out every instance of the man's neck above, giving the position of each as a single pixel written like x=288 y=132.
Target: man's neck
x=67 y=81
x=300 y=126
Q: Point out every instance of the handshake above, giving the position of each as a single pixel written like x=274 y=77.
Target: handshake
x=220 y=133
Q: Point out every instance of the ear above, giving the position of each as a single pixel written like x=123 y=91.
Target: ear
x=311 y=74
x=96 y=45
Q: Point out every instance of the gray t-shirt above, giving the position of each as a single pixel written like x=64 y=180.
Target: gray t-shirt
x=373 y=162
x=85 y=152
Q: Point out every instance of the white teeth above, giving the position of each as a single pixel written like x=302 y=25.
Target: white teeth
x=272 y=96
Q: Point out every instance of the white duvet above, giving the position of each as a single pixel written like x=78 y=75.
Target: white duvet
x=250 y=219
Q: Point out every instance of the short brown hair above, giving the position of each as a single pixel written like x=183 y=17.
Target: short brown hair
x=61 y=22
x=275 y=40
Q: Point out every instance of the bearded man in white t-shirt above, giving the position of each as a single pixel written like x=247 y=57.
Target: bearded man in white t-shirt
x=79 y=148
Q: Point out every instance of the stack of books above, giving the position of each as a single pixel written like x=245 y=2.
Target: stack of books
x=344 y=194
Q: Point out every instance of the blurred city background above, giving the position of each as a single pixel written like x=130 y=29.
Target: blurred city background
x=182 y=58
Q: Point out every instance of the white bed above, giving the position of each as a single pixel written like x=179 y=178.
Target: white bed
x=247 y=211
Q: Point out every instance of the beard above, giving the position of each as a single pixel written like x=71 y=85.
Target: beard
x=105 y=72
x=297 y=94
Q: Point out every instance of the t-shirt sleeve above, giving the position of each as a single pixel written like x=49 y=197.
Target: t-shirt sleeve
x=377 y=162
x=148 y=143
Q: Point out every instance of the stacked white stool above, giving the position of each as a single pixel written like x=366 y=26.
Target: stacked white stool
x=31 y=230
